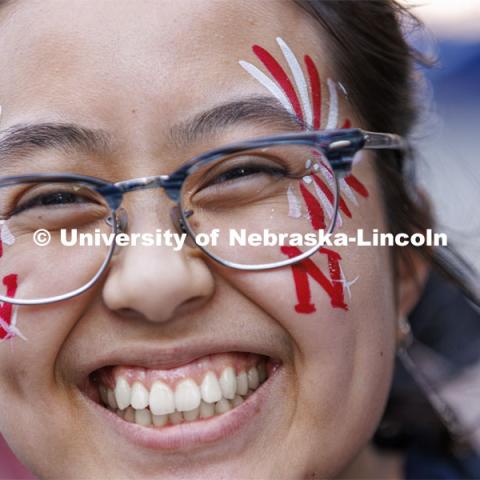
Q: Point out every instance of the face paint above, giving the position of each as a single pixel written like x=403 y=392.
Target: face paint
x=333 y=105
x=347 y=283
x=309 y=112
x=294 y=205
x=314 y=208
x=315 y=91
x=307 y=268
x=356 y=185
x=327 y=205
x=7 y=318
x=6 y=309
x=6 y=236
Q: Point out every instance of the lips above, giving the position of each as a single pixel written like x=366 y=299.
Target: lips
x=211 y=385
x=197 y=394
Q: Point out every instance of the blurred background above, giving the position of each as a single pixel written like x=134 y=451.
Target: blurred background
x=448 y=136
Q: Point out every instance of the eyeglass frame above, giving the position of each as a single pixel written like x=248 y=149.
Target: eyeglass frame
x=339 y=147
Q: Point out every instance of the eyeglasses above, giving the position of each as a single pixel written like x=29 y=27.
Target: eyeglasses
x=266 y=184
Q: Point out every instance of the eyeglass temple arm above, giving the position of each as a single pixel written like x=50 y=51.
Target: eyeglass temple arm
x=378 y=141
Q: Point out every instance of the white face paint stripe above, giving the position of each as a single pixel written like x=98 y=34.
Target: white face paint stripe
x=333 y=106
x=345 y=188
x=269 y=84
x=328 y=175
x=300 y=81
x=11 y=330
x=347 y=284
x=294 y=205
x=13 y=326
x=6 y=236
x=339 y=219
x=307 y=179
x=322 y=197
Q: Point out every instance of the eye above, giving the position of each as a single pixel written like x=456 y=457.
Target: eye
x=247 y=170
x=52 y=200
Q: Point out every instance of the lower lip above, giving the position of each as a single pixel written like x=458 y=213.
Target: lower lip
x=197 y=433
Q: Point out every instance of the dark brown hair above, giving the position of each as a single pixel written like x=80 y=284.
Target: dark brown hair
x=377 y=65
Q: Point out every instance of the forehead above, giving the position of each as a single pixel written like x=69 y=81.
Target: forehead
x=66 y=56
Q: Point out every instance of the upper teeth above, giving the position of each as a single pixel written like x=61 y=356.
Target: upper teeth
x=187 y=396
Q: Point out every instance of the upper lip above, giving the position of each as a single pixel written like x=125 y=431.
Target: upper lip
x=149 y=355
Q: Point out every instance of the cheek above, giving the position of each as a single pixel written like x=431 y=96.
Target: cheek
x=29 y=365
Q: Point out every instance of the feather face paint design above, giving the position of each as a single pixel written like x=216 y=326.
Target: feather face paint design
x=294 y=205
x=304 y=99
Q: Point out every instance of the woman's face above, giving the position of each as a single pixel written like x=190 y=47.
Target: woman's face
x=140 y=71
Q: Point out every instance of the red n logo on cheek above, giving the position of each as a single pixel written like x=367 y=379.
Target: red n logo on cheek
x=307 y=268
x=6 y=309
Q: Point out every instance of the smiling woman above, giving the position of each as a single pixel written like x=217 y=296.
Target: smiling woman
x=207 y=361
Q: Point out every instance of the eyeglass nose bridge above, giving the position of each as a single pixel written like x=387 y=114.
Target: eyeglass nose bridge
x=172 y=184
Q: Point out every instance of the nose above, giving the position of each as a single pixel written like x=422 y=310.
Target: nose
x=157 y=282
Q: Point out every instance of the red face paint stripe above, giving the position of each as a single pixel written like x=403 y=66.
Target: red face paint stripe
x=357 y=185
x=317 y=218
x=315 y=91
x=281 y=77
x=6 y=309
x=341 y=202
x=347 y=123
x=307 y=268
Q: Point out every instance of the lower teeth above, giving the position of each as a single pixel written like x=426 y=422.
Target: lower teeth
x=205 y=410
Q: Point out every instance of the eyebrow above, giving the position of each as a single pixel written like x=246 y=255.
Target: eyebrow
x=25 y=139
x=260 y=110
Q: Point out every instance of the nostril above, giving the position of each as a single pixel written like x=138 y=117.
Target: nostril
x=128 y=312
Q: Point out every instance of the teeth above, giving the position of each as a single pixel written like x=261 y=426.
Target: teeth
x=129 y=415
x=139 y=396
x=242 y=383
x=228 y=383
x=192 y=414
x=222 y=406
x=111 y=399
x=207 y=410
x=143 y=417
x=176 y=418
x=238 y=400
x=253 y=380
x=210 y=388
x=189 y=402
x=159 y=420
x=162 y=401
x=187 y=395
x=123 y=393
